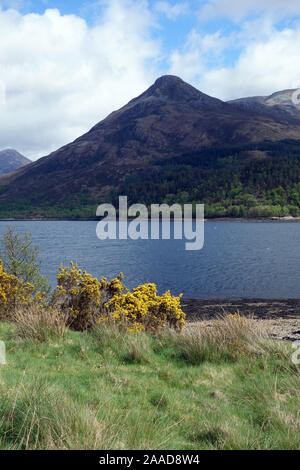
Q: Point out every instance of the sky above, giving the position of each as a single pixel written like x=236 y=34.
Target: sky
x=65 y=65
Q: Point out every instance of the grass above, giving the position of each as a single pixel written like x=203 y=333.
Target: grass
x=109 y=389
x=39 y=323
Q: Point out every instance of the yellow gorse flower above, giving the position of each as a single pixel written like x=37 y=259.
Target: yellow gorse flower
x=84 y=301
x=144 y=307
x=88 y=301
x=14 y=292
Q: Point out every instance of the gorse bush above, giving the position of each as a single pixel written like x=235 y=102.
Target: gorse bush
x=13 y=293
x=87 y=301
x=82 y=297
x=144 y=310
x=77 y=295
x=82 y=301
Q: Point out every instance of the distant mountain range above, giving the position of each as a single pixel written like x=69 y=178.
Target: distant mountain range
x=171 y=143
x=11 y=160
x=281 y=105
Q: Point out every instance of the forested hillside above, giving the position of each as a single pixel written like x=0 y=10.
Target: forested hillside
x=253 y=181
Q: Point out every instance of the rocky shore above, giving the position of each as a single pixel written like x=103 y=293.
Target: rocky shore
x=280 y=318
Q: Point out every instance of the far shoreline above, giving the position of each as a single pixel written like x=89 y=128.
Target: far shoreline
x=214 y=220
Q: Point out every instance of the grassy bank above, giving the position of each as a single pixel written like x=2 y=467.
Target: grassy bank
x=111 y=389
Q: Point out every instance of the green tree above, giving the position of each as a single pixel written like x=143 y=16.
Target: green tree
x=20 y=258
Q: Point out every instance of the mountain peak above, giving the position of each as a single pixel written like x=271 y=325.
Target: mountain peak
x=11 y=160
x=11 y=153
x=168 y=81
x=173 y=88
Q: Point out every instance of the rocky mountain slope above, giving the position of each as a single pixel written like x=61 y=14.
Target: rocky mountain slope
x=280 y=105
x=11 y=160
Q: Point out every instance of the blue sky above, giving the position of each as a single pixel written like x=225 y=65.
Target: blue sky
x=65 y=65
x=170 y=28
x=174 y=20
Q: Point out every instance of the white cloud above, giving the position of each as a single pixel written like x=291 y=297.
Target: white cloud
x=238 y=10
x=263 y=68
x=198 y=52
x=269 y=62
x=62 y=76
x=171 y=11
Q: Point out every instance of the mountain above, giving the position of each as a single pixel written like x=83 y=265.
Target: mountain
x=170 y=127
x=11 y=160
x=282 y=104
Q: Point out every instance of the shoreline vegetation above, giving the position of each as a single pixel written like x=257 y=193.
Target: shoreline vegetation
x=93 y=365
x=213 y=219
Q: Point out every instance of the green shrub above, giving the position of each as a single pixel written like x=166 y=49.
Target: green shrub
x=20 y=259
